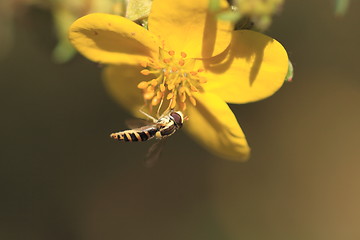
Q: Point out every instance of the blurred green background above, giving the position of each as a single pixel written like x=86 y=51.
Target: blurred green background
x=62 y=177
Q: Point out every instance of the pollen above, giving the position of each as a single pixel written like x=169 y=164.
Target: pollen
x=145 y=72
x=181 y=62
x=176 y=80
x=162 y=87
x=143 y=85
x=154 y=82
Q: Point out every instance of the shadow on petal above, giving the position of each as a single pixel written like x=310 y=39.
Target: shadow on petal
x=121 y=82
x=213 y=125
x=209 y=35
x=245 y=44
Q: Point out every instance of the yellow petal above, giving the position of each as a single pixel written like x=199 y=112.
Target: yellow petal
x=112 y=39
x=188 y=26
x=254 y=67
x=121 y=82
x=213 y=124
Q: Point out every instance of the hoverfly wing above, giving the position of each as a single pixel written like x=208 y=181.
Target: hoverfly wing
x=154 y=153
x=135 y=123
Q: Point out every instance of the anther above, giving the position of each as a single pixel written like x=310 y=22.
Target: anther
x=144 y=64
x=170 y=96
x=171 y=86
x=183 y=97
x=182 y=90
x=155 y=101
x=182 y=106
x=201 y=70
x=150 y=88
x=173 y=103
x=193 y=73
x=174 y=69
x=178 y=81
x=154 y=82
x=202 y=80
x=162 y=88
x=143 y=85
x=181 y=62
x=167 y=60
x=148 y=95
x=183 y=54
x=159 y=95
x=194 y=89
x=145 y=72
x=171 y=53
x=192 y=100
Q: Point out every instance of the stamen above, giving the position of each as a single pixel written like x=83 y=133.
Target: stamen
x=145 y=72
x=202 y=80
x=159 y=94
x=171 y=86
x=142 y=85
x=182 y=90
x=162 y=88
x=154 y=82
x=148 y=95
x=144 y=64
x=150 y=89
x=170 y=96
x=178 y=81
x=173 y=103
x=175 y=81
x=193 y=89
x=182 y=106
x=183 y=97
x=155 y=101
x=192 y=100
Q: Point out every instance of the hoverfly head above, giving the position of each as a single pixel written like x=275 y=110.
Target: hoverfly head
x=178 y=118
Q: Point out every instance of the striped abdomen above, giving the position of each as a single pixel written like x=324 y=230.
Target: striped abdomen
x=135 y=135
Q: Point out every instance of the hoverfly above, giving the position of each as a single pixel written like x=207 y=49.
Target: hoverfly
x=160 y=129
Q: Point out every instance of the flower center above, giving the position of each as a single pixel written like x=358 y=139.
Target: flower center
x=175 y=82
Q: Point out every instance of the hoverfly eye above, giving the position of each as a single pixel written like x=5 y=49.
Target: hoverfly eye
x=177 y=118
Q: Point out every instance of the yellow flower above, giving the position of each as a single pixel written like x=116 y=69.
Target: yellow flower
x=189 y=59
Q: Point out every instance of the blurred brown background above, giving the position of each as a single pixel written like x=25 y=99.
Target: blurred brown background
x=62 y=177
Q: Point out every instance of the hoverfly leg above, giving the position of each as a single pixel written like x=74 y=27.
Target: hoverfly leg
x=149 y=116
